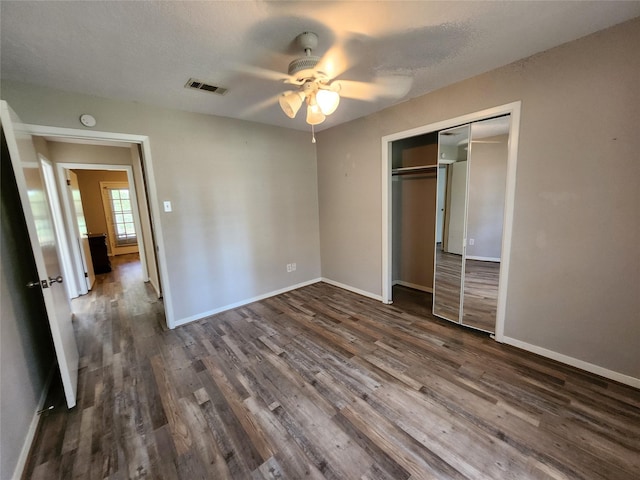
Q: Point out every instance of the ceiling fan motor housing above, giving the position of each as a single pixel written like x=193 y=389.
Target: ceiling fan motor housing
x=304 y=67
x=299 y=65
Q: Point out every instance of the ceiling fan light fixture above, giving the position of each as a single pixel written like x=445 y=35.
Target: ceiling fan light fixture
x=328 y=101
x=290 y=102
x=314 y=114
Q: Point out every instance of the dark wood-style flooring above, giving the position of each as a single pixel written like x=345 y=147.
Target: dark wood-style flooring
x=322 y=383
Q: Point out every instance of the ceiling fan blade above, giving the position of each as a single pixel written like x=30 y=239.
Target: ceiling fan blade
x=258 y=107
x=344 y=54
x=357 y=90
x=394 y=86
x=390 y=86
x=263 y=73
x=335 y=61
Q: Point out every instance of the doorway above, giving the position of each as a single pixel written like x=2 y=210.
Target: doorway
x=140 y=173
x=89 y=218
x=83 y=207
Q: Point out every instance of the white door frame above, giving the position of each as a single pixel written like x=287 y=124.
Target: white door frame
x=510 y=108
x=149 y=180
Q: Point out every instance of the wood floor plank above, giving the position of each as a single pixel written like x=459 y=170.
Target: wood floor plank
x=179 y=431
x=235 y=401
x=321 y=383
x=420 y=463
x=289 y=455
x=162 y=454
x=205 y=444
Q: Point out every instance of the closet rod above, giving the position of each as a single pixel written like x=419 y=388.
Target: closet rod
x=408 y=170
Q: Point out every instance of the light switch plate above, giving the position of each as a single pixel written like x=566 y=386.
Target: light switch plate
x=167 y=206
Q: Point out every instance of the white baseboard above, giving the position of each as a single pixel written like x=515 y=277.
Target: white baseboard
x=483 y=259
x=574 y=362
x=33 y=427
x=241 y=303
x=415 y=286
x=352 y=289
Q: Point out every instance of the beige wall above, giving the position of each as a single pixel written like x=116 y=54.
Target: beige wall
x=575 y=262
x=244 y=195
x=64 y=152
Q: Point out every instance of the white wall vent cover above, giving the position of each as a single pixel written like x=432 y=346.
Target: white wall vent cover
x=198 y=85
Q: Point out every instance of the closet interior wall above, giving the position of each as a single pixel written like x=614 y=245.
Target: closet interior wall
x=413 y=211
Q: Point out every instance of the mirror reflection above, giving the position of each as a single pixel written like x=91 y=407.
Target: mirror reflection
x=472 y=172
x=450 y=220
x=487 y=178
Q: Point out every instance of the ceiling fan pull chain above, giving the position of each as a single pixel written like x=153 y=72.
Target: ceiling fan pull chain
x=313 y=134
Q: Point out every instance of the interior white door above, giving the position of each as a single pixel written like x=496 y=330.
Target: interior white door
x=80 y=228
x=64 y=249
x=42 y=237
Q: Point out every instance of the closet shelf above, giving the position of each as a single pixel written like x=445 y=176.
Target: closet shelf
x=407 y=170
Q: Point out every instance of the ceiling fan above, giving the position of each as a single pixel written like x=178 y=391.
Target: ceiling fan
x=321 y=95
x=317 y=86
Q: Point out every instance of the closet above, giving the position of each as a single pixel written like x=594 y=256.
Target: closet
x=448 y=201
x=414 y=186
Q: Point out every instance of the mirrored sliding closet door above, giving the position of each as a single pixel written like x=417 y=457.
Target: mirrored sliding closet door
x=472 y=171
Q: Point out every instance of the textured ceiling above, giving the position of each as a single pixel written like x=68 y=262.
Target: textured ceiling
x=146 y=51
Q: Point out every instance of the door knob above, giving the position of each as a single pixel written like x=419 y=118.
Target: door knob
x=52 y=280
x=36 y=284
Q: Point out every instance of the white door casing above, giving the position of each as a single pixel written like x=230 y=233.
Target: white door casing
x=42 y=236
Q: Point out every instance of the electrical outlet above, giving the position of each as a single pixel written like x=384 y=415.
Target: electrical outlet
x=289 y=267
x=472 y=241
x=293 y=267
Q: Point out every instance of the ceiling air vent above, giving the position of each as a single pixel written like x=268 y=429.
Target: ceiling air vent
x=198 y=85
